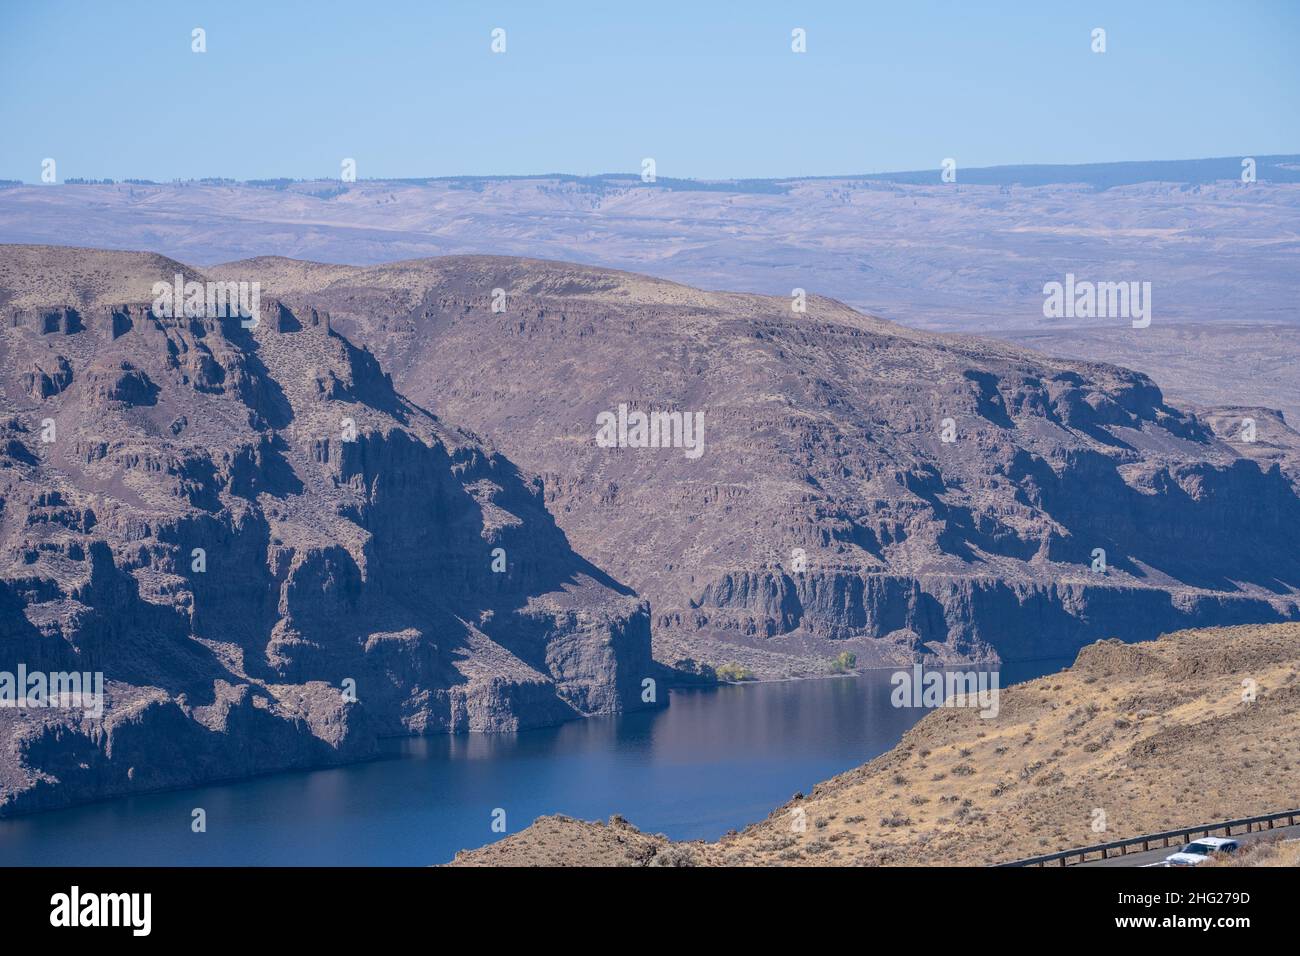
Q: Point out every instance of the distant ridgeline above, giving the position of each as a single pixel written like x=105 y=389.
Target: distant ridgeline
x=1191 y=172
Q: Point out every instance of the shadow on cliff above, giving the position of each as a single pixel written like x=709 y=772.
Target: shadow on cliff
x=136 y=642
x=1233 y=527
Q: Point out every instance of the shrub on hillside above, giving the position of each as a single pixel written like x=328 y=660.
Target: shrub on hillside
x=843 y=662
x=734 y=672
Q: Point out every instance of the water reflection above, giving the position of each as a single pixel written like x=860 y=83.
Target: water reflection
x=713 y=760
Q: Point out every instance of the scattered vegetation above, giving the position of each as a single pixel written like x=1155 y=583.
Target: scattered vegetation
x=843 y=662
x=675 y=854
x=734 y=672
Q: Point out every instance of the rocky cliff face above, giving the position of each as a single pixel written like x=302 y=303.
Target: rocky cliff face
x=272 y=556
x=862 y=486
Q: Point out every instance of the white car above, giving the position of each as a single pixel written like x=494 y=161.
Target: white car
x=1198 y=851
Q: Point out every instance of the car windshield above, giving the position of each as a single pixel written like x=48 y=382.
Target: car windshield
x=1198 y=849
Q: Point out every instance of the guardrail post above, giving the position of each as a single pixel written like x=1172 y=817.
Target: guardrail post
x=1252 y=824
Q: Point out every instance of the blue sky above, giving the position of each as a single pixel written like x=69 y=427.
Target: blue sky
x=412 y=89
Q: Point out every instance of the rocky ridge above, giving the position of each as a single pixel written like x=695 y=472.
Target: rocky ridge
x=827 y=512
x=273 y=557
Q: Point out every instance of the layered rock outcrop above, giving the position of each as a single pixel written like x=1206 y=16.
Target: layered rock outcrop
x=273 y=558
x=862 y=486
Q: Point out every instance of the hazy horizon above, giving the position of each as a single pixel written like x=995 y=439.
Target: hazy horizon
x=886 y=174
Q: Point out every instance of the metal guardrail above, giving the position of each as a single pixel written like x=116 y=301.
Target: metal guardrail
x=1146 y=841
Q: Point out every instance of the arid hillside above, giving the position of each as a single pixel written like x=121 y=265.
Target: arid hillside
x=860 y=486
x=1196 y=727
x=967 y=256
x=856 y=485
x=35 y=277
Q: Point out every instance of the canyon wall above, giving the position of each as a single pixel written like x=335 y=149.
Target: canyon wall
x=273 y=558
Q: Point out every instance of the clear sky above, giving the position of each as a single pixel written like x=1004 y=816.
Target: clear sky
x=710 y=90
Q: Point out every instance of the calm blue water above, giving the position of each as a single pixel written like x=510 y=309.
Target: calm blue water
x=713 y=760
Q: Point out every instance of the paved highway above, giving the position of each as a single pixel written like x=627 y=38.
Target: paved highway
x=1139 y=858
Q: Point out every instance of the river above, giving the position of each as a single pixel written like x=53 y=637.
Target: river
x=714 y=759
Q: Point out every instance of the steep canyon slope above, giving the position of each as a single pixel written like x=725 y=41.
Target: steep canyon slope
x=827 y=511
x=272 y=556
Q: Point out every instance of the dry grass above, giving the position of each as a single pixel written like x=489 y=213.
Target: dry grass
x=1265 y=852
x=36 y=276
x=1155 y=735
x=564 y=841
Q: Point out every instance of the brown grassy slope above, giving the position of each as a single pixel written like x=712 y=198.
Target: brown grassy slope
x=564 y=841
x=1156 y=735
x=32 y=276
x=290 y=276
x=396 y=286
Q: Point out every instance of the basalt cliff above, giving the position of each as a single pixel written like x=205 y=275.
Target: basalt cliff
x=276 y=554
x=862 y=486
x=272 y=556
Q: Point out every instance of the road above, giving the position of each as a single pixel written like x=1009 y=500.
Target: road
x=1158 y=854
